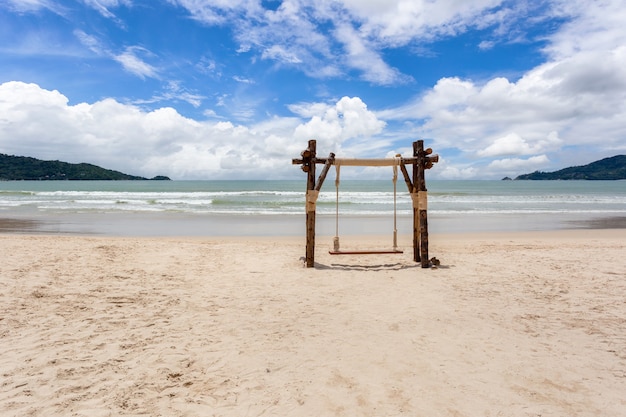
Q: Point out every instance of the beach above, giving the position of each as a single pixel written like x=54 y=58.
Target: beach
x=509 y=324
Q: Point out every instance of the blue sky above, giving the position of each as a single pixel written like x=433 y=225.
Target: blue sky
x=219 y=89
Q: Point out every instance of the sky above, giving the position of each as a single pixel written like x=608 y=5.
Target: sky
x=234 y=89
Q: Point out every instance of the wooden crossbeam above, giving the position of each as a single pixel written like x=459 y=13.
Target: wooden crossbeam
x=363 y=162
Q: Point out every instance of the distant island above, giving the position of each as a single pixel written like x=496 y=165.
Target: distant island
x=613 y=168
x=22 y=168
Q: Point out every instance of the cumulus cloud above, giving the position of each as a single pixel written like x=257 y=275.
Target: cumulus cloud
x=335 y=124
x=575 y=98
x=401 y=21
x=512 y=165
x=38 y=122
x=514 y=144
x=455 y=172
x=589 y=26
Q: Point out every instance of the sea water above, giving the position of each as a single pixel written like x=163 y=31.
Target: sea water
x=488 y=205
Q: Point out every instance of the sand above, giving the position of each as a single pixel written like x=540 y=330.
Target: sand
x=524 y=324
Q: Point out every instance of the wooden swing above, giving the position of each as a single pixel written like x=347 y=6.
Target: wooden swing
x=336 y=248
x=421 y=160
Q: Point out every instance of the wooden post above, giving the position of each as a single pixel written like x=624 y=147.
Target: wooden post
x=308 y=157
x=422 y=199
x=416 y=221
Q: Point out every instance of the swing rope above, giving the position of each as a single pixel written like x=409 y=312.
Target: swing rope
x=395 y=222
x=336 y=238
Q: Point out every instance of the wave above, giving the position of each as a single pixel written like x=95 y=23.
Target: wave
x=287 y=198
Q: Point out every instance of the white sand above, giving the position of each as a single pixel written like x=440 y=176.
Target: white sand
x=511 y=325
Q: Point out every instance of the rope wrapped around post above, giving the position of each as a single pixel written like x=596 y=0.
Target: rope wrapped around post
x=420 y=200
x=311 y=200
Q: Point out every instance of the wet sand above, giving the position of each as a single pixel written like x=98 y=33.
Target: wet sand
x=179 y=224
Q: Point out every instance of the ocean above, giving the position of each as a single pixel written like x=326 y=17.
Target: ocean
x=206 y=208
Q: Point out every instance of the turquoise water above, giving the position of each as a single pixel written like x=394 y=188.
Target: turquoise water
x=502 y=202
x=287 y=197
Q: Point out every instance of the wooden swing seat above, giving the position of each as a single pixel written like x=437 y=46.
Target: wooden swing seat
x=366 y=252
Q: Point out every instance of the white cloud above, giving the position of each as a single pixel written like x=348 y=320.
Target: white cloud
x=103 y=6
x=308 y=109
x=208 y=66
x=278 y=53
x=516 y=165
x=41 y=123
x=28 y=6
x=134 y=64
x=576 y=99
x=218 y=11
x=335 y=124
x=590 y=26
x=514 y=144
x=129 y=58
x=243 y=80
x=450 y=172
x=334 y=37
x=290 y=36
x=90 y=42
x=511 y=144
x=361 y=56
x=398 y=22
x=174 y=91
x=485 y=45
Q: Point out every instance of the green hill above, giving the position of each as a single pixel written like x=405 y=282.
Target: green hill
x=25 y=168
x=613 y=168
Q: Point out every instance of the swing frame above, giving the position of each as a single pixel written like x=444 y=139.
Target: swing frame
x=416 y=185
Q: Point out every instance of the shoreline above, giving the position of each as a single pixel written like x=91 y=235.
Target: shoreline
x=175 y=224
